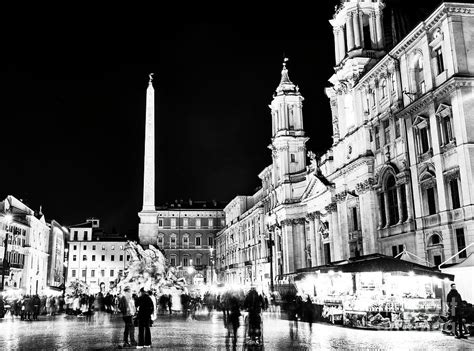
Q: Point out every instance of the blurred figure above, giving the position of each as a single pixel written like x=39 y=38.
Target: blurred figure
x=153 y=299
x=454 y=301
x=127 y=307
x=145 y=310
x=163 y=302
x=308 y=312
x=170 y=303
x=233 y=318
x=36 y=307
x=294 y=312
x=254 y=304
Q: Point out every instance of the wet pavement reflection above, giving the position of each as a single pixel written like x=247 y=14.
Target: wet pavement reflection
x=208 y=332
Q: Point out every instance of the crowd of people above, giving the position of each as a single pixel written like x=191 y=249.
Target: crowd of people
x=29 y=307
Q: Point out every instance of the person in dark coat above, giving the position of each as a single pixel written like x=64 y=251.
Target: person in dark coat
x=145 y=310
x=170 y=303
x=29 y=308
x=308 y=312
x=454 y=301
x=36 y=307
x=233 y=321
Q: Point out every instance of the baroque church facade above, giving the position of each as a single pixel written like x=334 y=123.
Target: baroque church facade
x=400 y=173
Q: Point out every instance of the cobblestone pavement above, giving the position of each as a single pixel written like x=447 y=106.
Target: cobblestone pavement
x=104 y=332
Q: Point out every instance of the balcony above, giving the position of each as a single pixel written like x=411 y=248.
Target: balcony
x=456 y=214
x=432 y=221
x=399 y=228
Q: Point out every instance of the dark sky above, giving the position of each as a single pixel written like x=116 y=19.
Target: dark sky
x=73 y=115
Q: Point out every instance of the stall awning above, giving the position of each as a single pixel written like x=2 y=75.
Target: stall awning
x=378 y=263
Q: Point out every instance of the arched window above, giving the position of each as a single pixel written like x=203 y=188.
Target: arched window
x=429 y=193
x=384 y=89
x=392 y=200
x=435 y=239
x=185 y=240
x=173 y=240
x=198 y=240
x=418 y=75
x=160 y=240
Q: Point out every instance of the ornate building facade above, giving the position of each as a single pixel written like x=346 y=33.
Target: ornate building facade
x=400 y=171
x=95 y=258
x=186 y=233
x=34 y=260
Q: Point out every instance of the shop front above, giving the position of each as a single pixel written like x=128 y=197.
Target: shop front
x=376 y=292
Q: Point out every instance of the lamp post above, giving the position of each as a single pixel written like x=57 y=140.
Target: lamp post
x=270 y=255
x=8 y=219
x=66 y=267
x=211 y=250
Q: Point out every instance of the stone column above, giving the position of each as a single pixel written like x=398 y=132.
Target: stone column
x=287 y=249
x=335 y=120
x=342 y=44
x=399 y=204
x=299 y=242
x=313 y=239
x=409 y=203
x=379 y=29
x=336 y=44
x=381 y=205
x=387 y=213
x=373 y=31
x=318 y=245
x=350 y=32
x=356 y=26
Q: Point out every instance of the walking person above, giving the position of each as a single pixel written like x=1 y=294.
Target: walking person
x=454 y=301
x=308 y=312
x=145 y=310
x=153 y=299
x=233 y=321
x=127 y=307
x=170 y=303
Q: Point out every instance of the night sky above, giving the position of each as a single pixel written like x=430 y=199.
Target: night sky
x=73 y=116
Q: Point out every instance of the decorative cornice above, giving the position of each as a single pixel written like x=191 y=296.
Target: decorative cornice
x=358 y=162
x=341 y=196
x=451 y=174
x=414 y=35
x=313 y=215
x=300 y=221
x=365 y=186
x=332 y=207
x=429 y=183
x=444 y=90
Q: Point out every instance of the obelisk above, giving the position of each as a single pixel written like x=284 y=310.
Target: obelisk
x=149 y=169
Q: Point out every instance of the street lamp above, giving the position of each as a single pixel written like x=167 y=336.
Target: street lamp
x=270 y=244
x=211 y=250
x=8 y=220
x=65 y=268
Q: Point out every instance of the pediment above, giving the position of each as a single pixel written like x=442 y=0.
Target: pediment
x=315 y=186
x=443 y=110
x=420 y=121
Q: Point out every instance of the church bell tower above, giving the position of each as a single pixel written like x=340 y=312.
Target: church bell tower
x=288 y=137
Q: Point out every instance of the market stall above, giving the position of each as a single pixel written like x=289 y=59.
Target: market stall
x=376 y=292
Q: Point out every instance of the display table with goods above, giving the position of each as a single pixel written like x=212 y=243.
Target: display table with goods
x=407 y=297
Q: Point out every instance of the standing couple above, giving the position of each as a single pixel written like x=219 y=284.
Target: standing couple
x=145 y=309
